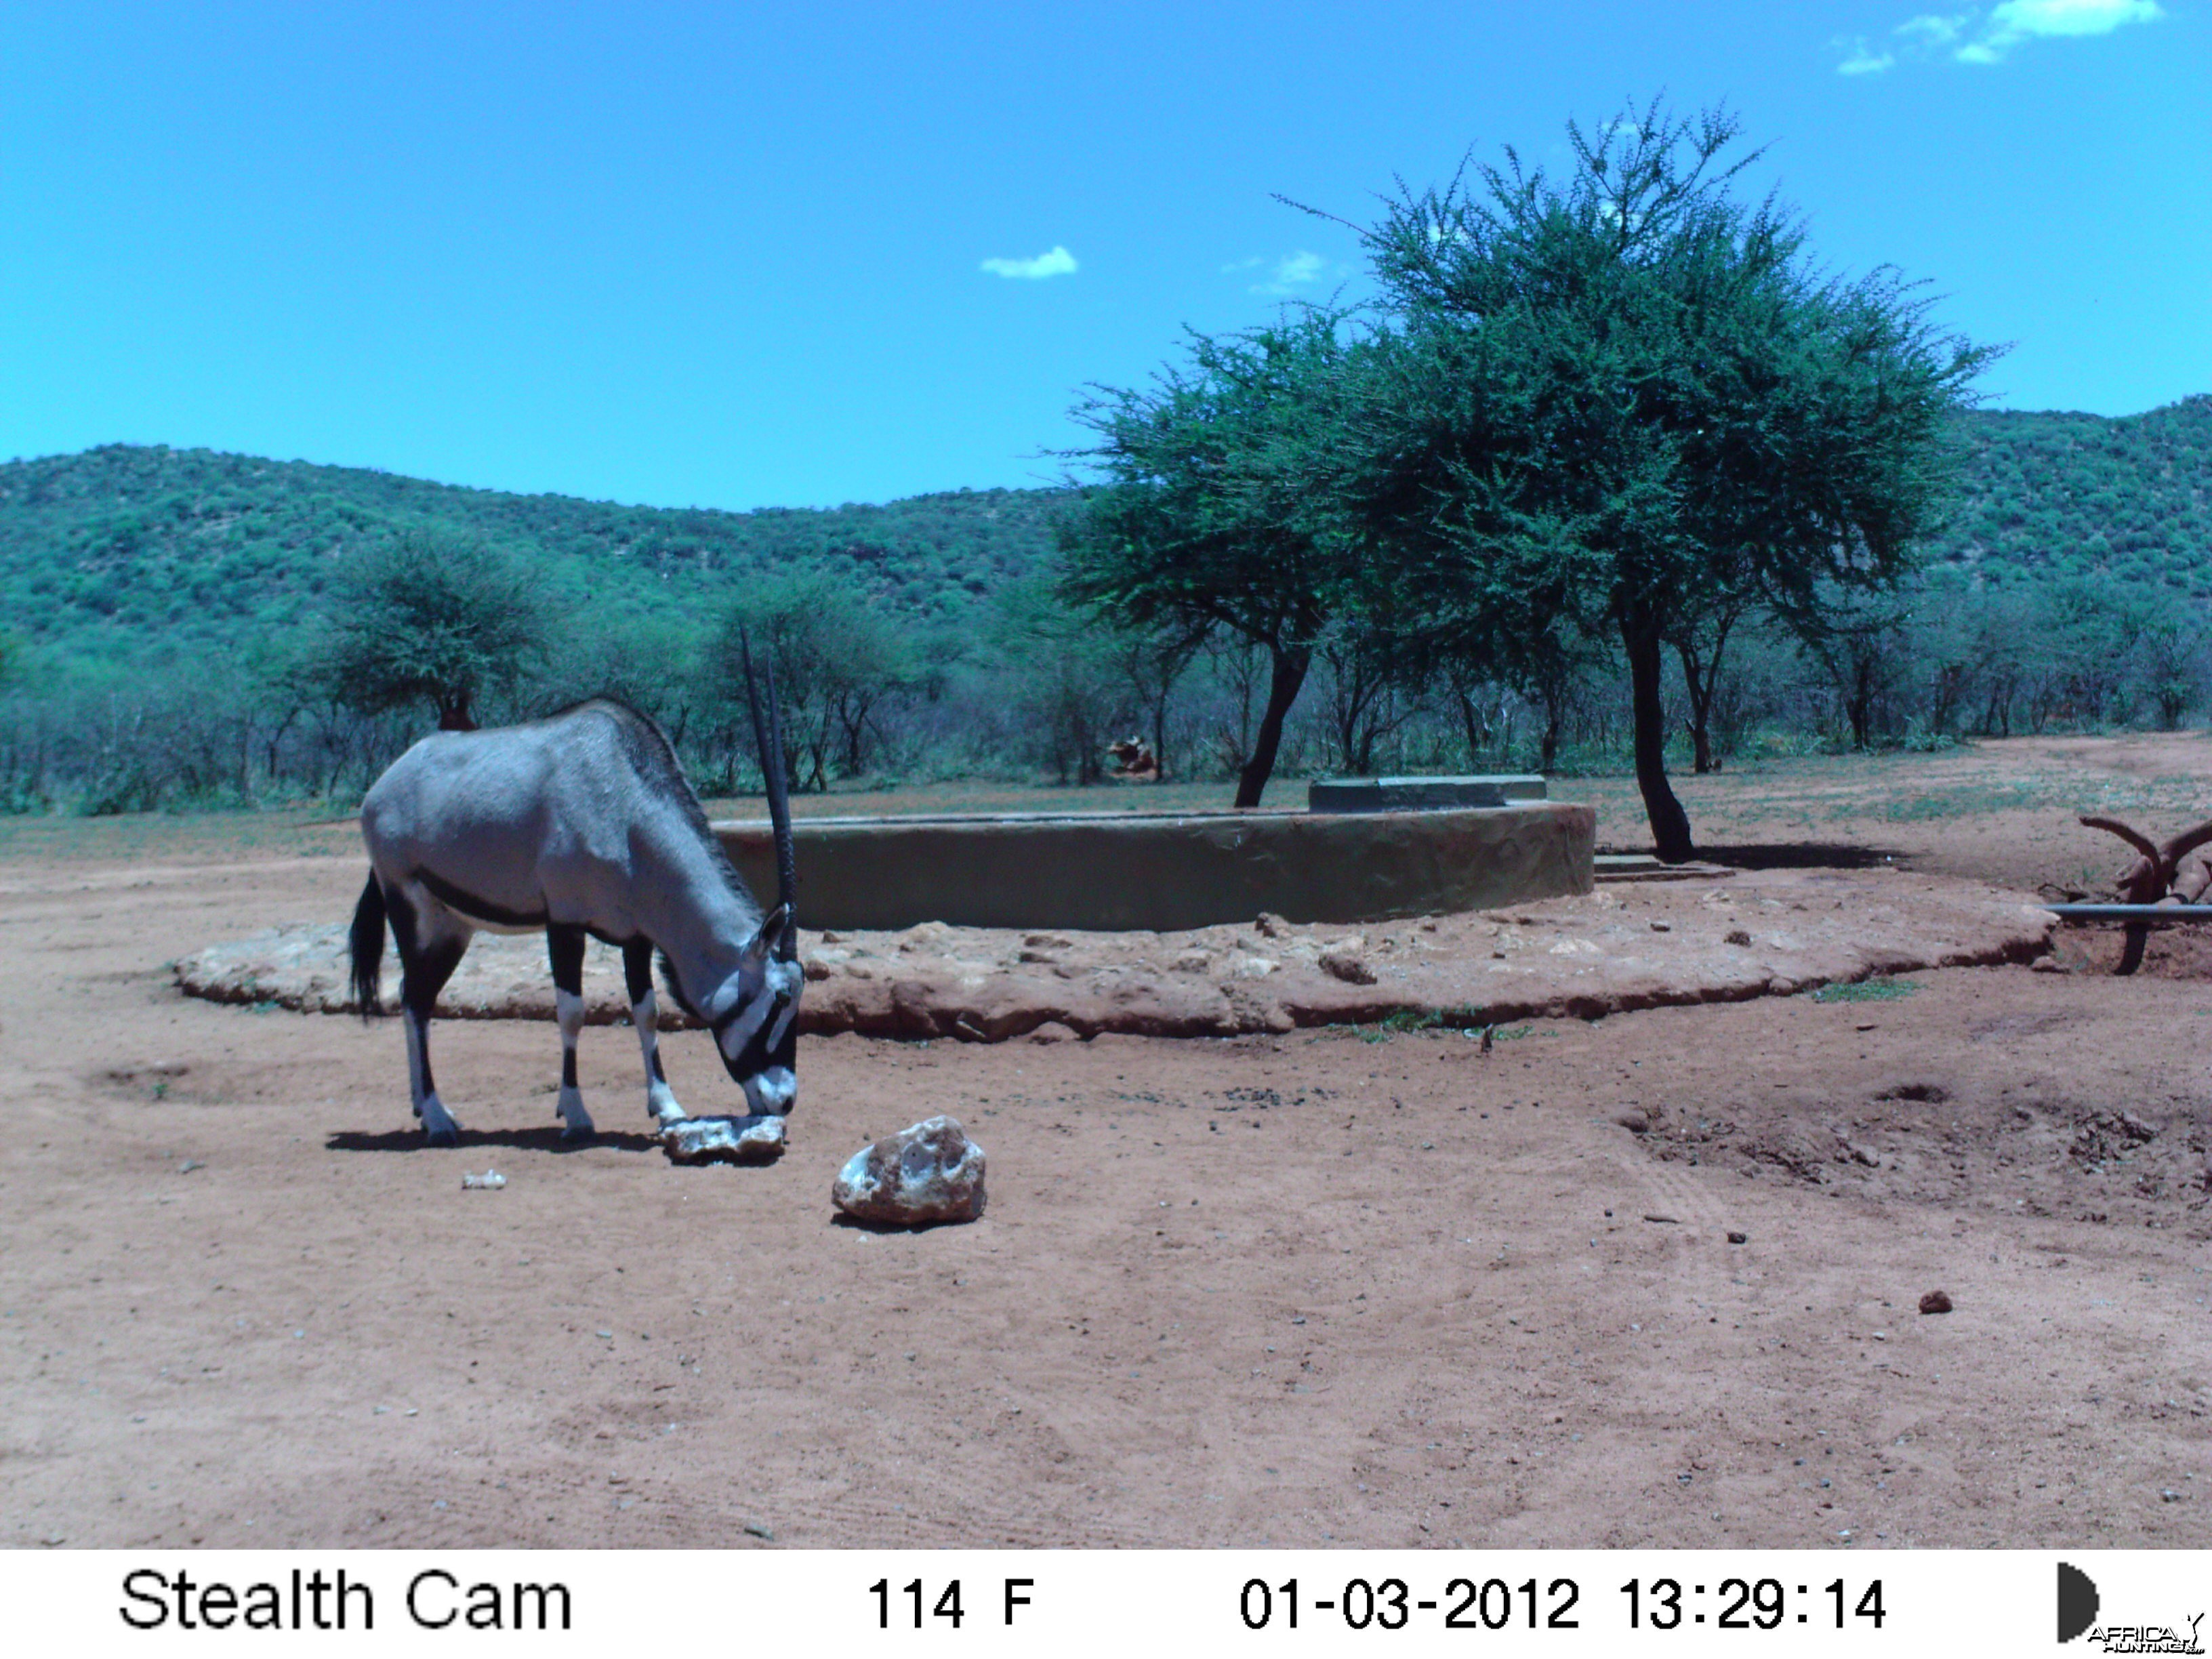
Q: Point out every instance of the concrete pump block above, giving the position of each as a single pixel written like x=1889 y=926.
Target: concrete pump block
x=1422 y=794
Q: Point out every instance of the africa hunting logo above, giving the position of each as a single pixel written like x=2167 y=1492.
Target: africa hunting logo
x=2078 y=1606
x=2146 y=1638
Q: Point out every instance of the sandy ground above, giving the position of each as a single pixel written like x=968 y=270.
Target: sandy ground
x=1326 y=1286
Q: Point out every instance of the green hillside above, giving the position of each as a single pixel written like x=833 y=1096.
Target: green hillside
x=2077 y=495
x=124 y=552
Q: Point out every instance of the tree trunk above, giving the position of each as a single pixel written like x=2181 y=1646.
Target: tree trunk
x=1701 y=746
x=1476 y=728
x=1701 y=674
x=1283 y=685
x=1555 y=717
x=853 y=711
x=1860 y=706
x=1670 y=824
x=1699 y=680
x=276 y=739
x=1700 y=722
x=454 y=713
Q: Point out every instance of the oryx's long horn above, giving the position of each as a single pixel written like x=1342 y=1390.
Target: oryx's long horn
x=768 y=737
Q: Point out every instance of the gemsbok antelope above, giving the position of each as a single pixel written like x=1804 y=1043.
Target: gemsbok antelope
x=581 y=824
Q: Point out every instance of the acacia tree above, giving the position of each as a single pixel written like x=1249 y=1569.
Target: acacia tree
x=835 y=657
x=1065 y=679
x=1215 y=517
x=1859 y=648
x=1150 y=667
x=1627 y=389
x=427 y=620
x=2168 y=659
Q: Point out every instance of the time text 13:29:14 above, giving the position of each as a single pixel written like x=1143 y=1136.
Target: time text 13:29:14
x=1746 y=1604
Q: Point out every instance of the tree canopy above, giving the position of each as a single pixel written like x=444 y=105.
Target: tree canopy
x=835 y=657
x=1215 y=517
x=1625 y=398
x=427 y=620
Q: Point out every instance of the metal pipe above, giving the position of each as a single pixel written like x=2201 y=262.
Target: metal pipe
x=2137 y=913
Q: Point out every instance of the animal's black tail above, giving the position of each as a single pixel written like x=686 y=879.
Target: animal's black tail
x=368 y=950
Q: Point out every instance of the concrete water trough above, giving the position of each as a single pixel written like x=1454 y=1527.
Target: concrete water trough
x=1168 y=871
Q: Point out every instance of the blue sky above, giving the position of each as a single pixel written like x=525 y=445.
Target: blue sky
x=741 y=257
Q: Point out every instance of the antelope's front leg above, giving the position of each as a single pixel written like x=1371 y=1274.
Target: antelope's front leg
x=566 y=947
x=637 y=971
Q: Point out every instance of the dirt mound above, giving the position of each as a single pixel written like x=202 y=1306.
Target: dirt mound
x=1626 y=946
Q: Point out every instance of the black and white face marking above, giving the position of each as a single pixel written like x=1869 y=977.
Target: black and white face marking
x=758 y=1034
x=756 y=1023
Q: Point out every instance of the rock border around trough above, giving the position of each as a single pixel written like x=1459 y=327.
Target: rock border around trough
x=1622 y=947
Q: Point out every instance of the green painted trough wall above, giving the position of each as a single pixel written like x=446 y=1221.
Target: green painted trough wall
x=1115 y=871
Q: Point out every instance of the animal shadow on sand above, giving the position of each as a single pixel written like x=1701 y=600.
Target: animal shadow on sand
x=549 y=1140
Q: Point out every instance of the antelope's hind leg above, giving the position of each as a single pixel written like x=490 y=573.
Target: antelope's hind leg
x=637 y=972
x=565 y=947
x=430 y=943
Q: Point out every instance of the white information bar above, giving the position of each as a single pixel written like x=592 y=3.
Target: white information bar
x=985 y=1602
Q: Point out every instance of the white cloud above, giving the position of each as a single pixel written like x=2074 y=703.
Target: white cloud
x=2062 y=17
x=2015 y=20
x=1058 y=263
x=1974 y=37
x=1932 y=30
x=1862 y=60
x=1292 y=271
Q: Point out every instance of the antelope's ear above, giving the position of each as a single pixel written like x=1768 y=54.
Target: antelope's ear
x=773 y=927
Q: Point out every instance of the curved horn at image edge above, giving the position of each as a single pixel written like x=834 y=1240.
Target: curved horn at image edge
x=768 y=737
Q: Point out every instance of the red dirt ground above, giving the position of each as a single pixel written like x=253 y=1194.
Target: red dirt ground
x=1296 y=1290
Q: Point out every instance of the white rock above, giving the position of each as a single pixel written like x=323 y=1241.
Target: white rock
x=928 y=1173
x=755 y=1140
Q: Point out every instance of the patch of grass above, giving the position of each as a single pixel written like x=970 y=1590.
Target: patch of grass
x=1468 y=1022
x=1866 y=990
x=1968 y=801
